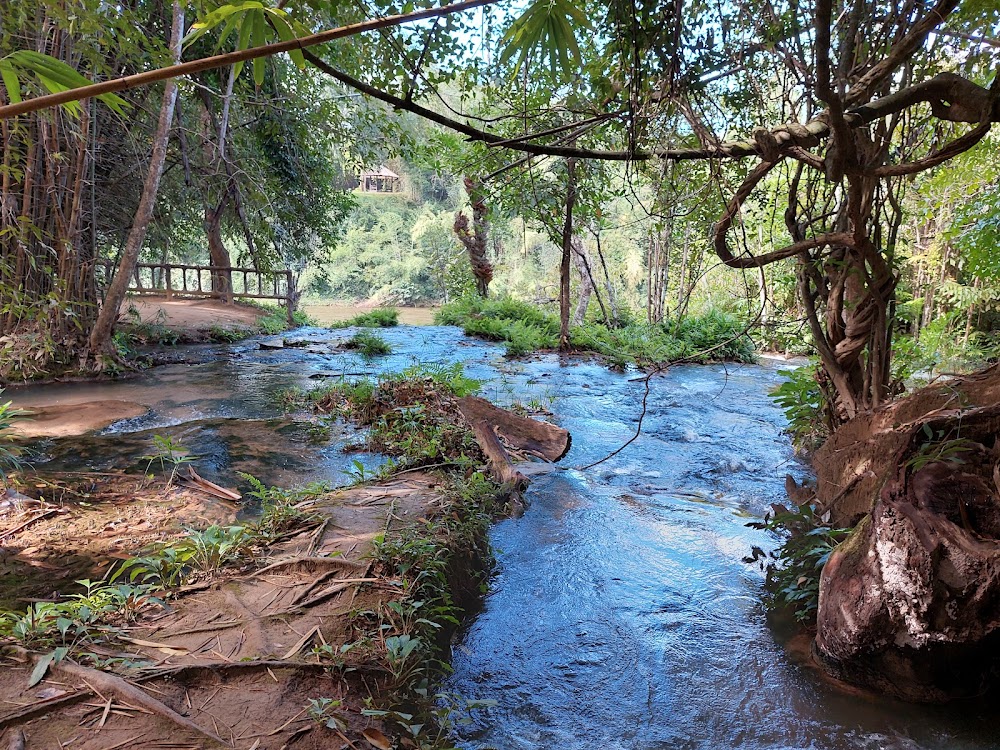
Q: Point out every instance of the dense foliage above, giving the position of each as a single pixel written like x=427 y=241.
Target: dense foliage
x=525 y=328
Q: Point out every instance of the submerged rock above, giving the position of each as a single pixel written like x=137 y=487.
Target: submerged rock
x=67 y=420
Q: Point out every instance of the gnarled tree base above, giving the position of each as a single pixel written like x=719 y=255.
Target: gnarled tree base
x=910 y=602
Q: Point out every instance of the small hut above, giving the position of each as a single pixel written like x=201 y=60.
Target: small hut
x=381 y=180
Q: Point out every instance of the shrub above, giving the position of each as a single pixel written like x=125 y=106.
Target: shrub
x=712 y=337
x=793 y=569
x=806 y=407
x=369 y=344
x=384 y=317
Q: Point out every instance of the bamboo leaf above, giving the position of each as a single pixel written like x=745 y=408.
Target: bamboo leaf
x=545 y=26
x=231 y=24
x=244 y=40
x=257 y=39
x=57 y=76
x=286 y=34
x=10 y=82
x=216 y=17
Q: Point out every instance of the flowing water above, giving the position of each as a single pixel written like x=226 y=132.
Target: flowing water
x=621 y=614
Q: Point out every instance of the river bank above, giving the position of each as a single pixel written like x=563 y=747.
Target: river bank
x=622 y=579
x=368 y=582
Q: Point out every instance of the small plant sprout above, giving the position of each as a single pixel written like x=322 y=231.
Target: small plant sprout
x=168 y=452
x=324 y=712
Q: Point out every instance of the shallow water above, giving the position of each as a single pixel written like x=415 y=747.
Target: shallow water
x=334 y=312
x=621 y=615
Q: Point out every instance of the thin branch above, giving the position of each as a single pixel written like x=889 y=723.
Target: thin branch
x=901 y=52
x=230 y=58
x=950 y=151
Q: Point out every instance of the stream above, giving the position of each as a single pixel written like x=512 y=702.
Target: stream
x=621 y=614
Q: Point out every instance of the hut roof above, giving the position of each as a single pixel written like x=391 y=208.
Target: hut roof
x=381 y=171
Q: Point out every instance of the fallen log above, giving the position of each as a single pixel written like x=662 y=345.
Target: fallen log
x=534 y=437
x=501 y=465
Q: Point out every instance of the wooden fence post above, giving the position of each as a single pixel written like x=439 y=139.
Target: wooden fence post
x=290 y=299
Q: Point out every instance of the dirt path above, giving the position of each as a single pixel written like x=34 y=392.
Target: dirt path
x=232 y=663
x=191 y=314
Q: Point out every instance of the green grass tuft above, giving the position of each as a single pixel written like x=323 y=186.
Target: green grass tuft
x=384 y=317
x=711 y=337
x=369 y=344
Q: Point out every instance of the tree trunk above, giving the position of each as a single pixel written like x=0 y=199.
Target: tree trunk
x=586 y=286
x=612 y=296
x=218 y=255
x=100 y=337
x=567 y=251
x=474 y=238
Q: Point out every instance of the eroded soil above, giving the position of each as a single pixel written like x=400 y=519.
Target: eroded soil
x=230 y=661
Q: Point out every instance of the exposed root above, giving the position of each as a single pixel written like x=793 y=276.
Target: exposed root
x=129 y=693
x=309 y=562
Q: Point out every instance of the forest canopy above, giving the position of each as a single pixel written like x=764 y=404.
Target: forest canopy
x=819 y=149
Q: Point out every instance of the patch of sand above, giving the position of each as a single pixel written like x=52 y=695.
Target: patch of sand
x=66 y=420
x=194 y=314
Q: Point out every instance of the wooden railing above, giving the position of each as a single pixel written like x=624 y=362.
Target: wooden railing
x=227 y=283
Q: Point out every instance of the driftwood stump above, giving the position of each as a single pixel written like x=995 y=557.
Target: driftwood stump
x=497 y=428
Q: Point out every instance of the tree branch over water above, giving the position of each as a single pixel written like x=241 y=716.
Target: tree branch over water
x=230 y=58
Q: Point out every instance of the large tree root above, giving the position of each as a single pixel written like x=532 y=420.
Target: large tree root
x=129 y=693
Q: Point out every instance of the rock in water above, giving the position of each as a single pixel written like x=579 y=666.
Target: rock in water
x=910 y=602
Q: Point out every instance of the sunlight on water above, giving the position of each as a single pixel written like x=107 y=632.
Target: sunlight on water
x=621 y=614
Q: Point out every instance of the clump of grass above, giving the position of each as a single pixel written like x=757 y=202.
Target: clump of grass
x=524 y=327
x=413 y=414
x=209 y=550
x=711 y=337
x=276 y=321
x=92 y=616
x=382 y=317
x=369 y=344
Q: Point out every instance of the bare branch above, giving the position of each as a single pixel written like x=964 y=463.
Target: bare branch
x=958 y=146
x=864 y=86
x=755 y=261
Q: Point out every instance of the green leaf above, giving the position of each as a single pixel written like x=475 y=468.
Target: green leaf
x=286 y=34
x=216 y=17
x=10 y=82
x=257 y=41
x=545 y=26
x=38 y=673
x=56 y=76
x=244 y=41
x=231 y=24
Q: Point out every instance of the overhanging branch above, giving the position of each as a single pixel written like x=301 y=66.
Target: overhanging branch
x=230 y=58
